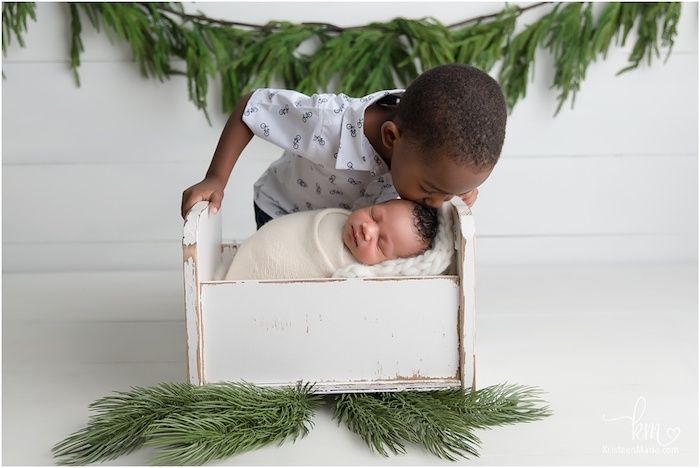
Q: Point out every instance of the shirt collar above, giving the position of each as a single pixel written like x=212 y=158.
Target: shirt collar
x=355 y=151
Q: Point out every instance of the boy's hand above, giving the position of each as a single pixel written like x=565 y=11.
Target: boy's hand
x=470 y=197
x=210 y=190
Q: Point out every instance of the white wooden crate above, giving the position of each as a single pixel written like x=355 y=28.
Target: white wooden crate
x=346 y=335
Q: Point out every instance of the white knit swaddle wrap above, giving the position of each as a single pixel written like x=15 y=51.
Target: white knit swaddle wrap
x=431 y=262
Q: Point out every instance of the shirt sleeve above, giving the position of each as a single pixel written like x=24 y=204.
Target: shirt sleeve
x=379 y=190
x=291 y=120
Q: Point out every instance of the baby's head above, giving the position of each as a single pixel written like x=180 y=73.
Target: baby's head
x=447 y=134
x=394 y=229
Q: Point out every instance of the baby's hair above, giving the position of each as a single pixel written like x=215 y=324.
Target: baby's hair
x=456 y=109
x=426 y=223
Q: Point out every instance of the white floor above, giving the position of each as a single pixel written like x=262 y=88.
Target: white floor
x=599 y=339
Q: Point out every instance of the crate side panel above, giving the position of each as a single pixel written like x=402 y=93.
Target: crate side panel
x=335 y=331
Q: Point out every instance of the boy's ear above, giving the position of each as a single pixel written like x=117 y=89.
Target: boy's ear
x=390 y=133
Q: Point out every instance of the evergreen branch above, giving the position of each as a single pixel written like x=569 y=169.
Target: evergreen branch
x=138 y=26
x=429 y=42
x=179 y=419
x=228 y=45
x=367 y=54
x=76 y=44
x=14 y=21
x=442 y=421
x=200 y=67
x=481 y=45
x=120 y=423
x=670 y=26
x=372 y=419
x=439 y=429
x=607 y=27
x=519 y=56
x=275 y=56
x=497 y=405
x=568 y=39
x=648 y=34
x=370 y=59
x=232 y=419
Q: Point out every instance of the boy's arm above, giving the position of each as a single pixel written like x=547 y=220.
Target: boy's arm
x=234 y=138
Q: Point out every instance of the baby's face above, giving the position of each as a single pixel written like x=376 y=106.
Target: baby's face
x=383 y=232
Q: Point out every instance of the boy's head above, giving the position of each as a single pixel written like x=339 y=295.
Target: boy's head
x=447 y=134
x=394 y=229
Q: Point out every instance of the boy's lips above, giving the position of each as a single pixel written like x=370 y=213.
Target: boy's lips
x=354 y=235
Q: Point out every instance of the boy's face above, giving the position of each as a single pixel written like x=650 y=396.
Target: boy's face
x=383 y=232
x=431 y=180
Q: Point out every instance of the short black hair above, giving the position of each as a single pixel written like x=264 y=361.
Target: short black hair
x=458 y=110
x=426 y=223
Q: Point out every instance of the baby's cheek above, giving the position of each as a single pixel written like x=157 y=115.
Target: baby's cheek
x=365 y=256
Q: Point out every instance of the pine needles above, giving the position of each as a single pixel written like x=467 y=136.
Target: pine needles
x=14 y=21
x=372 y=419
x=519 y=56
x=188 y=423
x=230 y=419
x=442 y=421
x=482 y=44
x=361 y=59
x=192 y=425
x=647 y=31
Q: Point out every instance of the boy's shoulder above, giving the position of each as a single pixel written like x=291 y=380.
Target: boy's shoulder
x=321 y=100
x=326 y=128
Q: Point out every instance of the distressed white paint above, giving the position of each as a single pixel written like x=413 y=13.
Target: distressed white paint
x=207 y=228
x=189 y=231
x=201 y=246
x=464 y=243
x=375 y=385
x=330 y=331
x=191 y=321
x=343 y=334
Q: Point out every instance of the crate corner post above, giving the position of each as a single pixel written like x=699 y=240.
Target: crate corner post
x=466 y=263
x=201 y=248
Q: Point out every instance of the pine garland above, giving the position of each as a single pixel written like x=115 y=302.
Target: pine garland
x=360 y=59
x=192 y=425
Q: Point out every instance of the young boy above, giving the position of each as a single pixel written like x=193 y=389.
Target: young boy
x=440 y=137
x=318 y=243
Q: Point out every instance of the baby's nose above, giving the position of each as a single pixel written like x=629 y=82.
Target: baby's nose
x=369 y=230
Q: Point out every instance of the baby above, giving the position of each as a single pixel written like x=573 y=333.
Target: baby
x=315 y=244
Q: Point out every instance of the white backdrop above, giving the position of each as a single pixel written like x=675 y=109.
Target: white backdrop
x=92 y=176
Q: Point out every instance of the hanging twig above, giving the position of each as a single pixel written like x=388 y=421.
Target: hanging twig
x=328 y=26
x=518 y=11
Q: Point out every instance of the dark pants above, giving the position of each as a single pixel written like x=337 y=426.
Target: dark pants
x=260 y=216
